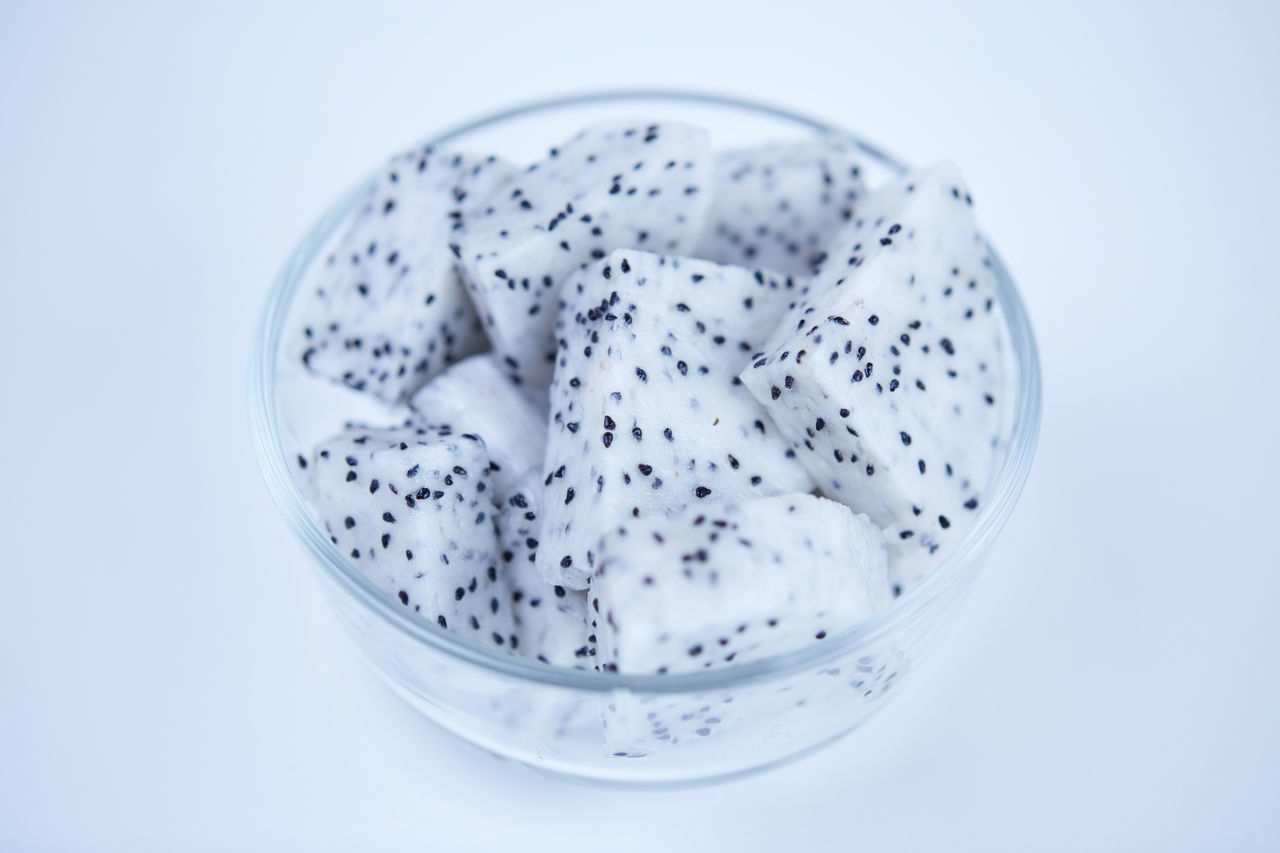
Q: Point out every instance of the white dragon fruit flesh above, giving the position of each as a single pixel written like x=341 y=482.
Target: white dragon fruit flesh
x=387 y=310
x=778 y=206
x=646 y=415
x=638 y=724
x=886 y=380
x=662 y=410
x=476 y=396
x=411 y=508
x=551 y=621
x=733 y=582
x=638 y=184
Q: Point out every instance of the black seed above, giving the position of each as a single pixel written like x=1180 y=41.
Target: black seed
x=906 y=439
x=702 y=491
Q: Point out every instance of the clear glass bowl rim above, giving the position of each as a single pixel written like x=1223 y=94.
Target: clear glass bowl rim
x=912 y=604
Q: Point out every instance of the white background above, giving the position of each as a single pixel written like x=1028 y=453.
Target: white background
x=170 y=678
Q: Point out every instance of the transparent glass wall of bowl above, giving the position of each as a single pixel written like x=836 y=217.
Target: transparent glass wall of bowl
x=596 y=725
x=635 y=736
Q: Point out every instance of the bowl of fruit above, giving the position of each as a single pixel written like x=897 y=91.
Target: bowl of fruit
x=646 y=437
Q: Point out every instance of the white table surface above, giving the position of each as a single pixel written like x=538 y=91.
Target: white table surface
x=171 y=678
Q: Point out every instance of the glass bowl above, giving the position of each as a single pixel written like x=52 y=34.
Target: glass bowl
x=612 y=727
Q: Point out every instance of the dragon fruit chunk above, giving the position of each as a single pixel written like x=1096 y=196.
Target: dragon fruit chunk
x=779 y=206
x=639 y=724
x=476 y=396
x=887 y=380
x=387 y=310
x=613 y=185
x=551 y=621
x=646 y=418
x=733 y=583
x=411 y=508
